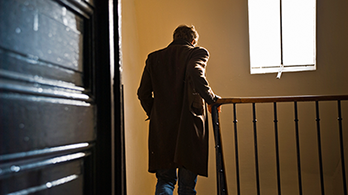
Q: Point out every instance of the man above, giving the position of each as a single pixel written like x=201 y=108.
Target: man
x=173 y=92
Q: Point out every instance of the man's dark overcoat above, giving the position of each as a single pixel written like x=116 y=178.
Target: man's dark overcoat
x=173 y=92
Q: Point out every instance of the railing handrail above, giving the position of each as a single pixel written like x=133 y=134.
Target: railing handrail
x=268 y=99
x=220 y=167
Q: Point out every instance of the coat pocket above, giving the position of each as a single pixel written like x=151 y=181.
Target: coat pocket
x=197 y=106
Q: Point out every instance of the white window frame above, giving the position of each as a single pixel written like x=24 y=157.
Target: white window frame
x=279 y=67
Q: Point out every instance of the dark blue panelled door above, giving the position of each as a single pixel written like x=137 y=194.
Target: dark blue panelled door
x=55 y=118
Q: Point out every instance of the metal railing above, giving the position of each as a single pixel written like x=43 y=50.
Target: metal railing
x=220 y=164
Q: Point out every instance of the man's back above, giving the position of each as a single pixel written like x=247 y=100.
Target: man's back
x=167 y=69
x=169 y=92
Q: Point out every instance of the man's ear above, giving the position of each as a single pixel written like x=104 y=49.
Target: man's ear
x=193 y=42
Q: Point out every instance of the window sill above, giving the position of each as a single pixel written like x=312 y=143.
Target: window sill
x=277 y=69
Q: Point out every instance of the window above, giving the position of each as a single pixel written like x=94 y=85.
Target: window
x=282 y=36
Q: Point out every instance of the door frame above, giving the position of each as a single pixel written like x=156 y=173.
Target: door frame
x=110 y=152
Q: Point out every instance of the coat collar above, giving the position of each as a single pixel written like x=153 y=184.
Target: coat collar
x=180 y=42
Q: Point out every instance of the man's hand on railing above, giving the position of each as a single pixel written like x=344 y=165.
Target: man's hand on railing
x=210 y=107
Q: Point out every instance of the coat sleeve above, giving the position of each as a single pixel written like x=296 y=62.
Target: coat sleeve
x=145 y=90
x=196 y=70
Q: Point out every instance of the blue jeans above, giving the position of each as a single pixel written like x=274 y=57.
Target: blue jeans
x=166 y=180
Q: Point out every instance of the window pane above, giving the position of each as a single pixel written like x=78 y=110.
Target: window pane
x=298 y=32
x=264 y=32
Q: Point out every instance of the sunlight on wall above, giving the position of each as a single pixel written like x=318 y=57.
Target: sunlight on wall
x=139 y=181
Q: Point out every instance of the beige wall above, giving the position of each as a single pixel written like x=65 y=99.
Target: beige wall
x=147 y=25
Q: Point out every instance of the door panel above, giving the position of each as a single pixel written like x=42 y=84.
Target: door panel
x=54 y=178
x=48 y=112
x=33 y=126
x=43 y=30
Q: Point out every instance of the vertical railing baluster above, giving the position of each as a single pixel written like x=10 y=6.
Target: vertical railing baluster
x=256 y=152
x=298 y=149
x=220 y=166
x=236 y=147
x=319 y=148
x=342 y=147
x=277 y=146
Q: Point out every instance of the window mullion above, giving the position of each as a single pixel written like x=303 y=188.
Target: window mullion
x=281 y=41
